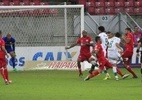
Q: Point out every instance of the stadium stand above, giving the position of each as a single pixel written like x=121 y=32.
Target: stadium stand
x=93 y=7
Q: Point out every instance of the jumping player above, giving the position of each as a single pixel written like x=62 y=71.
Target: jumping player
x=85 y=42
x=128 y=52
x=3 y=64
x=10 y=47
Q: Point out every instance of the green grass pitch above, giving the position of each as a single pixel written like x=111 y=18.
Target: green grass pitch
x=66 y=85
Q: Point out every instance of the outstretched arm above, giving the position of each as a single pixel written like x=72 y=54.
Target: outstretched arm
x=71 y=46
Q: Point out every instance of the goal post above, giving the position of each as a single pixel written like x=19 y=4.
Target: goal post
x=42 y=31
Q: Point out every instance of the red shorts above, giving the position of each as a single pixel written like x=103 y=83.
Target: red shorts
x=104 y=63
x=83 y=57
x=3 y=62
x=128 y=55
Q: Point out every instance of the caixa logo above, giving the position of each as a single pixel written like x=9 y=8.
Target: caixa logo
x=50 y=56
x=18 y=61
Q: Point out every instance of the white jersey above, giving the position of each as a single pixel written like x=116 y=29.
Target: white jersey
x=112 y=48
x=104 y=39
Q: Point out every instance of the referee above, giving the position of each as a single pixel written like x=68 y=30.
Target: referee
x=138 y=50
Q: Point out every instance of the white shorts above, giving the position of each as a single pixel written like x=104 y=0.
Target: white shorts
x=113 y=61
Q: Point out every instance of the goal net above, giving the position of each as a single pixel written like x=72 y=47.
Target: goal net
x=42 y=25
x=41 y=34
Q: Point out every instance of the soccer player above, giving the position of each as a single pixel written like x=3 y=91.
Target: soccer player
x=114 y=52
x=3 y=64
x=10 y=47
x=128 y=52
x=85 y=42
x=102 y=34
x=103 y=62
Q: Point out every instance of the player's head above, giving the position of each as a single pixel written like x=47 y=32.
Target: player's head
x=127 y=30
x=98 y=39
x=136 y=28
x=117 y=34
x=0 y=33
x=109 y=34
x=8 y=36
x=84 y=33
x=101 y=29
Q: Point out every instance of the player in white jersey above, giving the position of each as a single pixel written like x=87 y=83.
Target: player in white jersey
x=114 y=52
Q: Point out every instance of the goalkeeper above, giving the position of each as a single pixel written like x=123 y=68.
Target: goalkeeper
x=10 y=47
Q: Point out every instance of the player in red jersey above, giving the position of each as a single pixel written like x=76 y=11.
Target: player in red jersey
x=128 y=52
x=85 y=42
x=3 y=63
x=98 y=50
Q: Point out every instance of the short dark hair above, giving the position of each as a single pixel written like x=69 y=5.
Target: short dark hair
x=97 y=38
x=101 y=28
x=117 y=34
x=128 y=29
x=108 y=32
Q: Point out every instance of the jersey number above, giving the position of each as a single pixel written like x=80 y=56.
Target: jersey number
x=110 y=44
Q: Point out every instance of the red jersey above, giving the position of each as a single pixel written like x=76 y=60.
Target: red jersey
x=85 y=49
x=129 y=46
x=2 y=53
x=100 y=54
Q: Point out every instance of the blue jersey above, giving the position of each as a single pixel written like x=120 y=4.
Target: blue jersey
x=9 y=44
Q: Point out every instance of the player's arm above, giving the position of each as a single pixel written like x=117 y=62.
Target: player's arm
x=3 y=48
x=89 y=44
x=13 y=44
x=71 y=46
x=119 y=47
x=125 y=39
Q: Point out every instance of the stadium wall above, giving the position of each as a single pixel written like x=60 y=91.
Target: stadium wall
x=40 y=58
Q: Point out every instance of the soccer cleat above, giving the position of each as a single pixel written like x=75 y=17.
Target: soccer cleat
x=80 y=75
x=135 y=76
x=125 y=76
x=7 y=82
x=107 y=77
x=116 y=78
x=15 y=70
x=87 y=78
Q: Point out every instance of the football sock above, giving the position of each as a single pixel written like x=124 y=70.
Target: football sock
x=114 y=71
x=92 y=68
x=6 y=73
x=13 y=62
x=94 y=74
x=3 y=75
x=119 y=72
x=130 y=70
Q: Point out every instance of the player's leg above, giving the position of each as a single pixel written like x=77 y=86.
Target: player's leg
x=93 y=61
x=12 y=54
x=121 y=74
x=106 y=73
x=141 y=66
x=127 y=61
x=97 y=72
x=79 y=67
x=2 y=73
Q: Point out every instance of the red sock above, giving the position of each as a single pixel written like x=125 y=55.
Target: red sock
x=130 y=70
x=94 y=74
x=3 y=75
x=6 y=73
x=119 y=72
x=80 y=71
